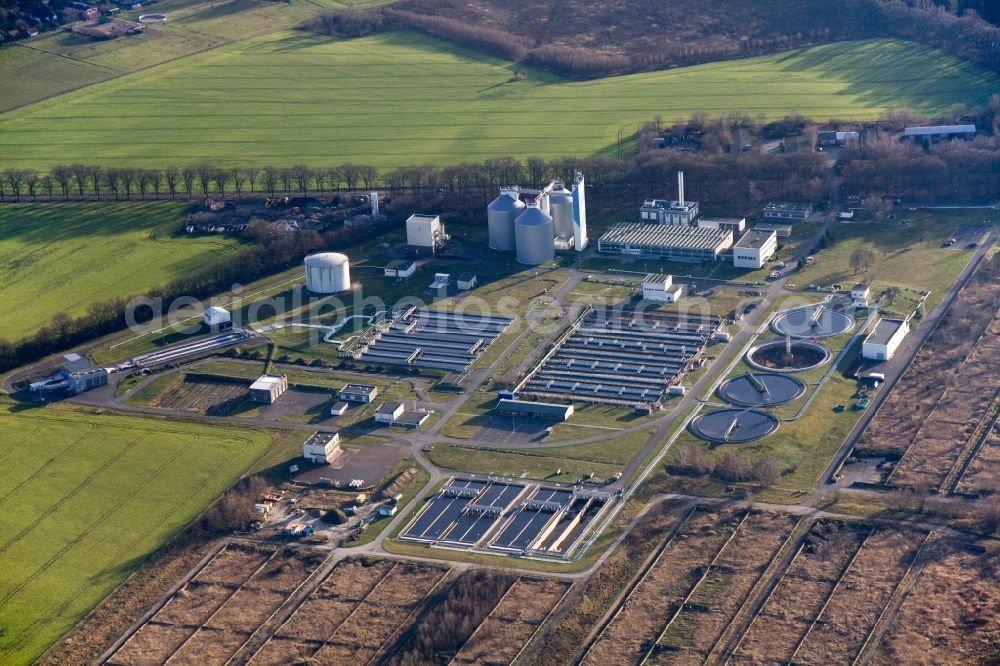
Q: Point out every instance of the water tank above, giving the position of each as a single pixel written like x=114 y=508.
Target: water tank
x=533 y=234
x=327 y=273
x=561 y=210
x=500 y=215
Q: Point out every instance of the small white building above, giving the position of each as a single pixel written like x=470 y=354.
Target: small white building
x=754 y=249
x=467 y=281
x=322 y=447
x=884 y=339
x=363 y=393
x=425 y=233
x=268 y=388
x=339 y=408
x=216 y=316
x=861 y=295
x=735 y=224
x=661 y=288
x=400 y=270
x=388 y=412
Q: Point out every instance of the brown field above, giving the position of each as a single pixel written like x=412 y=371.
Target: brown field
x=208 y=620
x=200 y=394
x=567 y=631
x=664 y=588
x=983 y=475
x=937 y=405
x=952 y=613
x=799 y=596
x=505 y=631
x=715 y=602
x=356 y=612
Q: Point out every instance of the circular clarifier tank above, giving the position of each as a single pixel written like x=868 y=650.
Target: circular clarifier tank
x=775 y=357
x=817 y=321
x=761 y=389
x=734 y=426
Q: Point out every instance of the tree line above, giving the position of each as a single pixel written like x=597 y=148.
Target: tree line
x=669 y=35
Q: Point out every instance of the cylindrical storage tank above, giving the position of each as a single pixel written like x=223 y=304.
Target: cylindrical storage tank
x=327 y=273
x=561 y=210
x=500 y=216
x=533 y=234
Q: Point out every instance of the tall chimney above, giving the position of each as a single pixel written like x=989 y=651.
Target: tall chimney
x=680 y=188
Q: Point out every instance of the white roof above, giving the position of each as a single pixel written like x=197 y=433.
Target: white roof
x=939 y=129
x=265 y=382
x=216 y=310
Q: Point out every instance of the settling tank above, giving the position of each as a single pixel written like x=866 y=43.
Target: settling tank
x=327 y=273
x=500 y=216
x=533 y=235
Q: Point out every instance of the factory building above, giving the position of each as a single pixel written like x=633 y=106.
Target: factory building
x=400 y=414
x=884 y=340
x=425 y=234
x=553 y=218
x=754 y=249
x=664 y=211
x=322 y=447
x=218 y=317
x=674 y=243
x=268 y=388
x=777 y=210
x=327 y=273
x=660 y=288
x=735 y=224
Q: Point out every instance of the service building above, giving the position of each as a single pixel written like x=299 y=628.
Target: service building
x=425 y=233
x=268 y=388
x=322 y=448
x=674 y=243
x=884 y=339
x=661 y=288
x=754 y=249
x=735 y=224
x=777 y=210
x=363 y=393
x=539 y=410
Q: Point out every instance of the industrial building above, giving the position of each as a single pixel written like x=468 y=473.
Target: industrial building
x=363 y=393
x=754 y=249
x=432 y=339
x=624 y=358
x=780 y=230
x=388 y=412
x=935 y=133
x=425 y=234
x=218 y=317
x=735 y=224
x=860 y=295
x=467 y=281
x=884 y=340
x=516 y=517
x=268 y=388
x=663 y=241
x=400 y=270
x=835 y=138
x=664 y=211
x=551 y=219
x=327 y=273
x=777 y=210
x=322 y=447
x=660 y=288
x=537 y=410
x=401 y=414
x=76 y=375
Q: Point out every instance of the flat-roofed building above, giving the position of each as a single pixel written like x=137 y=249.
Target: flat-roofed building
x=402 y=414
x=935 y=133
x=671 y=242
x=467 y=281
x=754 y=249
x=780 y=230
x=81 y=374
x=322 y=447
x=661 y=288
x=735 y=224
x=268 y=388
x=388 y=412
x=216 y=316
x=425 y=234
x=539 y=410
x=779 y=210
x=884 y=340
x=860 y=295
x=400 y=269
x=363 y=393
x=664 y=211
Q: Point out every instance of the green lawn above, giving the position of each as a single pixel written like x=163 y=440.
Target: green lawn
x=63 y=257
x=402 y=99
x=86 y=499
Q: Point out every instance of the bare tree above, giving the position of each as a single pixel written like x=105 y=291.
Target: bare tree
x=220 y=177
x=368 y=174
x=302 y=175
x=128 y=177
x=270 y=181
x=31 y=182
x=239 y=177
x=155 y=180
x=96 y=176
x=14 y=178
x=63 y=175
x=252 y=173
x=80 y=175
x=172 y=176
x=205 y=173
x=351 y=172
x=48 y=184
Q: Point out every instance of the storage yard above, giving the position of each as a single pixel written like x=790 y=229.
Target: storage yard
x=432 y=339
x=629 y=359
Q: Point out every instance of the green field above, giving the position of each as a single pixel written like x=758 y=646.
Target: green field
x=86 y=499
x=63 y=257
x=402 y=99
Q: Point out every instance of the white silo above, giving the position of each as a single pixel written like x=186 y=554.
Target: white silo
x=327 y=273
x=500 y=216
x=533 y=234
x=561 y=210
